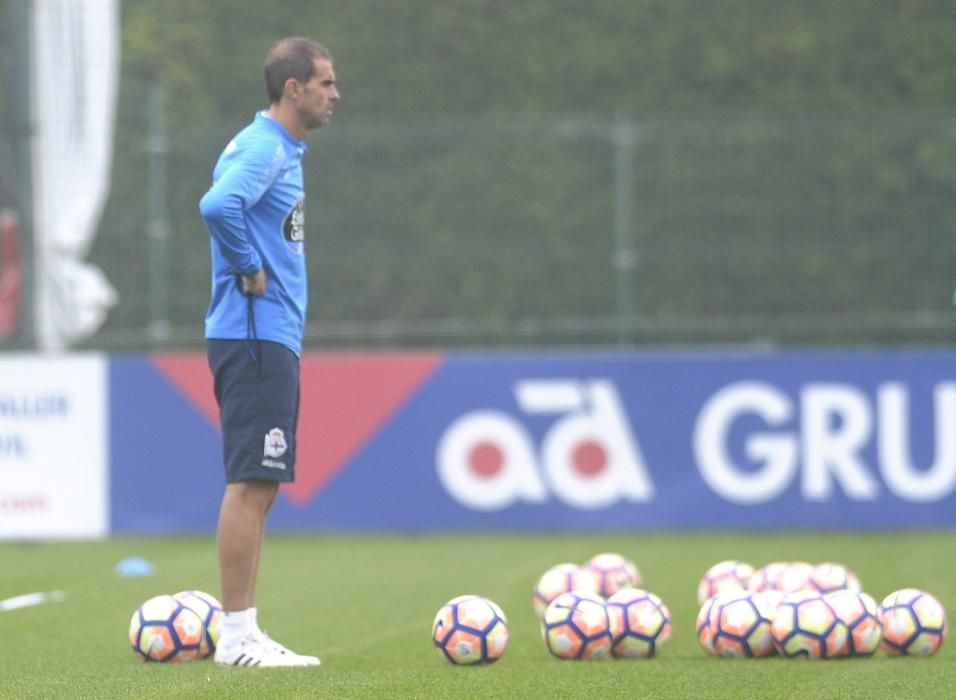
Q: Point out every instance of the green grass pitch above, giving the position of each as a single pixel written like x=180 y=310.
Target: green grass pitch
x=365 y=604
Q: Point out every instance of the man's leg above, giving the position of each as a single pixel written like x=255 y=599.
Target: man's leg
x=242 y=521
x=239 y=536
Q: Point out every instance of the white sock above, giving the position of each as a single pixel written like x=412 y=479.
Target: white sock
x=253 y=619
x=235 y=624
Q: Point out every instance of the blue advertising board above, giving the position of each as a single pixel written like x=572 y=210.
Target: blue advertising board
x=454 y=442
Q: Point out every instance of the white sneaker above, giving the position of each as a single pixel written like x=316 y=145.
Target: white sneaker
x=268 y=641
x=253 y=650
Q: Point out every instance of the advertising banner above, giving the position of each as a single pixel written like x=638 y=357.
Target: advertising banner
x=439 y=442
x=53 y=447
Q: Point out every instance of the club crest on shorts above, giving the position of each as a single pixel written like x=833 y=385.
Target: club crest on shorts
x=275 y=444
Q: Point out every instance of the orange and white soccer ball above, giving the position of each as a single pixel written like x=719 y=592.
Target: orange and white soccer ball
x=830 y=576
x=806 y=625
x=615 y=572
x=705 y=630
x=859 y=612
x=576 y=626
x=640 y=623
x=210 y=612
x=470 y=629
x=786 y=576
x=729 y=576
x=563 y=578
x=914 y=623
x=164 y=629
x=740 y=624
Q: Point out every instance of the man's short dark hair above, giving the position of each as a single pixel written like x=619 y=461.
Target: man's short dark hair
x=293 y=57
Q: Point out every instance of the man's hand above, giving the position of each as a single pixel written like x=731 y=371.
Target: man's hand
x=254 y=284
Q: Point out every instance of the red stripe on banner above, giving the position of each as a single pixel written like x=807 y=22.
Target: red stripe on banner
x=190 y=375
x=346 y=398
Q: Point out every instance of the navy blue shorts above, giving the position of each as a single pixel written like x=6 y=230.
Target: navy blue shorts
x=257 y=387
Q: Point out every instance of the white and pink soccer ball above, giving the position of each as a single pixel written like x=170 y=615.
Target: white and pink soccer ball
x=640 y=623
x=163 y=629
x=563 y=578
x=739 y=624
x=470 y=629
x=859 y=613
x=785 y=576
x=615 y=572
x=210 y=612
x=830 y=576
x=729 y=576
x=914 y=623
x=806 y=625
x=575 y=625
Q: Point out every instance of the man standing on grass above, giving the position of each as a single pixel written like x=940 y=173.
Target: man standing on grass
x=255 y=214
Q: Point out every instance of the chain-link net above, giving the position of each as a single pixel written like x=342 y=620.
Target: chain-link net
x=803 y=229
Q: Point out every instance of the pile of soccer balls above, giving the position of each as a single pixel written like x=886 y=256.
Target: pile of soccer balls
x=587 y=611
x=173 y=628
x=796 y=609
x=793 y=609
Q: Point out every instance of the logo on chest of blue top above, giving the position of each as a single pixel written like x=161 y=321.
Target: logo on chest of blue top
x=293 y=228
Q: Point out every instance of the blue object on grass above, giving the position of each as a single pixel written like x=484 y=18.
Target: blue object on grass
x=134 y=566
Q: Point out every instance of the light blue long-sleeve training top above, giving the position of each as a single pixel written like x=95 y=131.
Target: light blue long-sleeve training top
x=255 y=213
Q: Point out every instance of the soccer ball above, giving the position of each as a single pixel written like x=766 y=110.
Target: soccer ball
x=767 y=577
x=640 y=623
x=470 y=629
x=210 y=612
x=728 y=576
x=164 y=629
x=786 y=576
x=615 y=572
x=829 y=577
x=562 y=578
x=859 y=613
x=576 y=626
x=806 y=625
x=740 y=624
x=914 y=623
x=705 y=631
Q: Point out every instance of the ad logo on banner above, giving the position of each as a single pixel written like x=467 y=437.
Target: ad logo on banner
x=752 y=441
x=589 y=458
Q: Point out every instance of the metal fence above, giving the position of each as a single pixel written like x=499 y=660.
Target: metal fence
x=790 y=230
